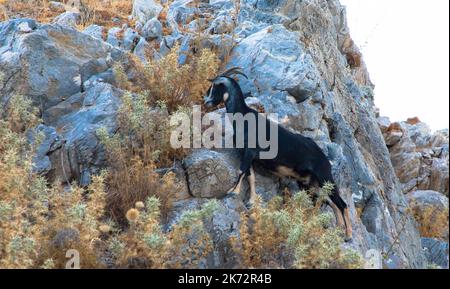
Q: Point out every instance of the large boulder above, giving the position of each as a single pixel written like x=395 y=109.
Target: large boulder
x=153 y=29
x=76 y=153
x=431 y=212
x=277 y=66
x=144 y=10
x=49 y=64
x=44 y=62
x=210 y=174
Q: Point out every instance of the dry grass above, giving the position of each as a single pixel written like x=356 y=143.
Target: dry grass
x=106 y=13
x=433 y=222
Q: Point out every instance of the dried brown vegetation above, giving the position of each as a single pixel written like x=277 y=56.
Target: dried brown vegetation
x=292 y=234
x=107 y=13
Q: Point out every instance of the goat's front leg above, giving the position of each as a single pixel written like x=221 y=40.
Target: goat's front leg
x=251 y=178
x=236 y=189
x=245 y=171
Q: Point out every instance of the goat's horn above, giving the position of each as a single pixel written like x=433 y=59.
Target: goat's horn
x=234 y=70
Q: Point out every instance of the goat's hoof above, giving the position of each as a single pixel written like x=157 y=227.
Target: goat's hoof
x=232 y=194
x=250 y=204
x=348 y=239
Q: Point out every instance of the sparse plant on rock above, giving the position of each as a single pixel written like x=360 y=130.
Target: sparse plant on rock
x=292 y=234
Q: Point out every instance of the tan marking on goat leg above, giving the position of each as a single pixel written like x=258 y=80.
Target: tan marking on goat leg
x=338 y=214
x=237 y=187
x=287 y=172
x=252 y=183
x=348 y=225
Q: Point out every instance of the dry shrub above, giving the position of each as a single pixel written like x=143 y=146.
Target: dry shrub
x=142 y=142
x=17 y=194
x=19 y=114
x=292 y=235
x=31 y=211
x=101 y=12
x=36 y=9
x=121 y=79
x=146 y=245
x=74 y=222
x=166 y=81
x=433 y=222
x=180 y=85
x=39 y=222
x=141 y=145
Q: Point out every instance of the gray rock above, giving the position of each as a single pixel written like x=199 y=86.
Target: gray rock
x=420 y=157
x=93 y=67
x=144 y=10
x=103 y=77
x=94 y=31
x=57 y=5
x=221 y=25
x=24 y=27
x=420 y=134
x=425 y=202
x=439 y=176
x=82 y=155
x=182 y=12
x=222 y=226
x=275 y=56
x=152 y=29
x=65 y=237
x=130 y=39
x=49 y=141
x=113 y=37
x=141 y=50
x=384 y=123
x=436 y=252
x=210 y=174
x=73 y=103
x=45 y=64
x=68 y=19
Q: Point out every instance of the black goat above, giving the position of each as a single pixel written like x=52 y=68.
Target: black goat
x=298 y=157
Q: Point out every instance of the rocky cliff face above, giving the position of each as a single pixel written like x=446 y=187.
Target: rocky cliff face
x=301 y=63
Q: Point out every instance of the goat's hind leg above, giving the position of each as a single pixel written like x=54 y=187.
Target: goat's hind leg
x=342 y=207
x=337 y=213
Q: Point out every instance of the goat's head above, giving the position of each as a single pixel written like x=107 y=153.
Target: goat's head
x=222 y=87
